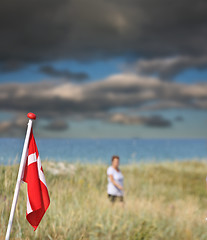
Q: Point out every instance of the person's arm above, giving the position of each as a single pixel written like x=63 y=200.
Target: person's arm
x=114 y=182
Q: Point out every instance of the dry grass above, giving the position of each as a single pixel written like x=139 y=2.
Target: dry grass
x=163 y=201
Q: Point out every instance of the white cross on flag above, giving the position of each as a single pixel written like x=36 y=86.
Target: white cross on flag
x=37 y=193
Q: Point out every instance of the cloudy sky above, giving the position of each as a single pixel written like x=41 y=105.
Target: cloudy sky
x=111 y=69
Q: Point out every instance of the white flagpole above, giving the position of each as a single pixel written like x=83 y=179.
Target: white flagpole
x=31 y=117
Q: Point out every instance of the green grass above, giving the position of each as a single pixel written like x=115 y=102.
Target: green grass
x=162 y=201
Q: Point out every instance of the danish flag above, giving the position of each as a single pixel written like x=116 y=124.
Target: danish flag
x=37 y=193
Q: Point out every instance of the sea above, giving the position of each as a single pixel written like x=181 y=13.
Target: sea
x=100 y=150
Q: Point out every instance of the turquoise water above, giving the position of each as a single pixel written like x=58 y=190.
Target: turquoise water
x=101 y=150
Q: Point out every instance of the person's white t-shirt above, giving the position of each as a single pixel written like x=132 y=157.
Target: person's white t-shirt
x=118 y=178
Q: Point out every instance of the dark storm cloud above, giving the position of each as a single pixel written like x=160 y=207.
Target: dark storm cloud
x=179 y=118
x=37 y=31
x=157 y=121
x=167 y=68
x=95 y=100
x=57 y=125
x=11 y=66
x=64 y=74
x=14 y=127
x=151 y=121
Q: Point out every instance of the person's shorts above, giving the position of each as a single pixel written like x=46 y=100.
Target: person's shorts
x=113 y=198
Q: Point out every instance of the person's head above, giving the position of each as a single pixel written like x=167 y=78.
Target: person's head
x=115 y=161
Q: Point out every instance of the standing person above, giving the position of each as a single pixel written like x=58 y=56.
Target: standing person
x=115 y=181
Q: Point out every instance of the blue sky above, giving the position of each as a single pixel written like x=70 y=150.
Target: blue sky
x=95 y=69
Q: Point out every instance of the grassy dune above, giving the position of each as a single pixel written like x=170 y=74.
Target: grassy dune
x=163 y=201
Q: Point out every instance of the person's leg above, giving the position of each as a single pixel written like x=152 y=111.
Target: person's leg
x=112 y=198
x=121 y=201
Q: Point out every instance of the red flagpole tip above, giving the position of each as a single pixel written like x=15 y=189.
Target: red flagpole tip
x=31 y=116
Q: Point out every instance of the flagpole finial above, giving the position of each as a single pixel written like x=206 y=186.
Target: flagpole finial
x=31 y=115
